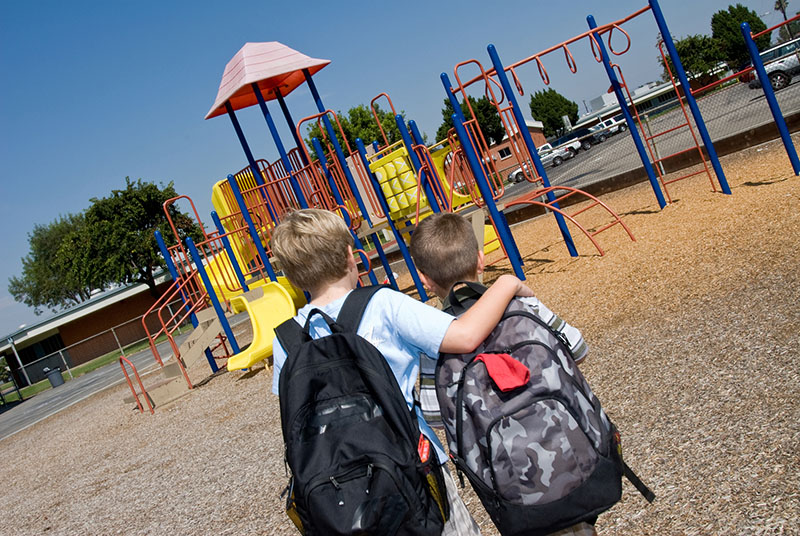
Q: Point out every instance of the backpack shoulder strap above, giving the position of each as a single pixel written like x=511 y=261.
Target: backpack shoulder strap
x=458 y=301
x=291 y=335
x=355 y=304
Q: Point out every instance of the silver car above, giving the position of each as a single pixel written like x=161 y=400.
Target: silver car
x=781 y=62
x=554 y=157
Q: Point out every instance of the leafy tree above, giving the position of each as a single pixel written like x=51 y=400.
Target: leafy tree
x=549 y=106
x=488 y=119
x=357 y=123
x=61 y=269
x=699 y=54
x=122 y=231
x=725 y=29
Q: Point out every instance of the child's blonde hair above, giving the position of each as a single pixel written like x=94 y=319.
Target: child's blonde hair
x=444 y=248
x=311 y=246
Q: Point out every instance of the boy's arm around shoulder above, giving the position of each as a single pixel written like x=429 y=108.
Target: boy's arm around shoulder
x=469 y=330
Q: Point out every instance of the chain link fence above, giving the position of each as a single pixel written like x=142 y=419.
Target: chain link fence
x=110 y=343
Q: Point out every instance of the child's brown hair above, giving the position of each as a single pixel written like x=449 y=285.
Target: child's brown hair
x=444 y=248
x=311 y=246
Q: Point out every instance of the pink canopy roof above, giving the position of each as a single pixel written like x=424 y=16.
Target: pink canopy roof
x=272 y=65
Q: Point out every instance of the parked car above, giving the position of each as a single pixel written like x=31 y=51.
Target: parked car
x=611 y=126
x=573 y=146
x=548 y=156
x=584 y=136
x=781 y=63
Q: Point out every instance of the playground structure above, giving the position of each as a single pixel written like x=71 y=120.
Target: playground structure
x=381 y=194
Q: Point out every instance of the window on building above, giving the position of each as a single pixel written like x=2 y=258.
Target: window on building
x=504 y=153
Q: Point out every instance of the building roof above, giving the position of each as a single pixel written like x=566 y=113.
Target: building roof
x=640 y=94
x=271 y=65
x=50 y=325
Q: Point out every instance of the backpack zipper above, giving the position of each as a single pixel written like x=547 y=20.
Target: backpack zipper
x=351 y=474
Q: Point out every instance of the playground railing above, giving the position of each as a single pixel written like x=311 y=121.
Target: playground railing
x=123 y=361
x=170 y=319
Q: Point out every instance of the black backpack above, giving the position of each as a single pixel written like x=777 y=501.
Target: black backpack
x=353 y=446
x=526 y=429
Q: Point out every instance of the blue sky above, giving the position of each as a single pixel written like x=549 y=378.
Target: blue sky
x=94 y=91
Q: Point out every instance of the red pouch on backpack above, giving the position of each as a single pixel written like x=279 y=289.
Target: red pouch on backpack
x=506 y=372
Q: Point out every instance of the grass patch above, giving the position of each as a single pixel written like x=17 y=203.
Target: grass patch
x=80 y=370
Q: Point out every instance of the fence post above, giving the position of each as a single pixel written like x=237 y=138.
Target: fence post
x=19 y=361
x=63 y=360
x=114 y=333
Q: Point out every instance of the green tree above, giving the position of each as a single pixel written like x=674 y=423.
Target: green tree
x=725 y=29
x=699 y=55
x=549 y=106
x=488 y=119
x=357 y=123
x=61 y=269
x=122 y=228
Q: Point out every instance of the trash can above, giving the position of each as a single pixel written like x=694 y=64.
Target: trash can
x=54 y=376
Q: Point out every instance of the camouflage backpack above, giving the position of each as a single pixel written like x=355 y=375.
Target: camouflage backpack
x=526 y=429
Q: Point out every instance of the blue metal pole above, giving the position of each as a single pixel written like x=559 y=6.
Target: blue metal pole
x=499 y=223
x=401 y=245
x=375 y=146
x=338 y=196
x=250 y=160
x=279 y=144
x=416 y=163
x=254 y=236
x=503 y=230
x=698 y=117
x=288 y=116
x=526 y=136
x=448 y=88
x=623 y=106
x=769 y=93
x=223 y=320
x=229 y=250
x=335 y=141
x=173 y=271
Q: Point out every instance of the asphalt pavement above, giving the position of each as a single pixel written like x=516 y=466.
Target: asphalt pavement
x=47 y=403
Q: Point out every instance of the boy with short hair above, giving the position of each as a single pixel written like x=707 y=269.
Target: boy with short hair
x=315 y=250
x=445 y=251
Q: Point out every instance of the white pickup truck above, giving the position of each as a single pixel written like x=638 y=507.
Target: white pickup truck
x=572 y=146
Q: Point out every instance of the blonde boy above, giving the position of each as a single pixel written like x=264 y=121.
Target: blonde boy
x=315 y=251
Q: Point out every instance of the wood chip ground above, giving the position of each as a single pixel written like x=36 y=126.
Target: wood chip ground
x=693 y=334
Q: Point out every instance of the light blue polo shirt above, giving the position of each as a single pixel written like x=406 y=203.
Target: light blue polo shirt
x=400 y=327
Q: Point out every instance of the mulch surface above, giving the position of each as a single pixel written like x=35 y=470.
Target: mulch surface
x=693 y=333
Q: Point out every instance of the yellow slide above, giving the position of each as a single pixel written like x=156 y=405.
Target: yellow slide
x=273 y=306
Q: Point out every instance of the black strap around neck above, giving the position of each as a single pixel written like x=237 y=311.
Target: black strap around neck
x=354 y=305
